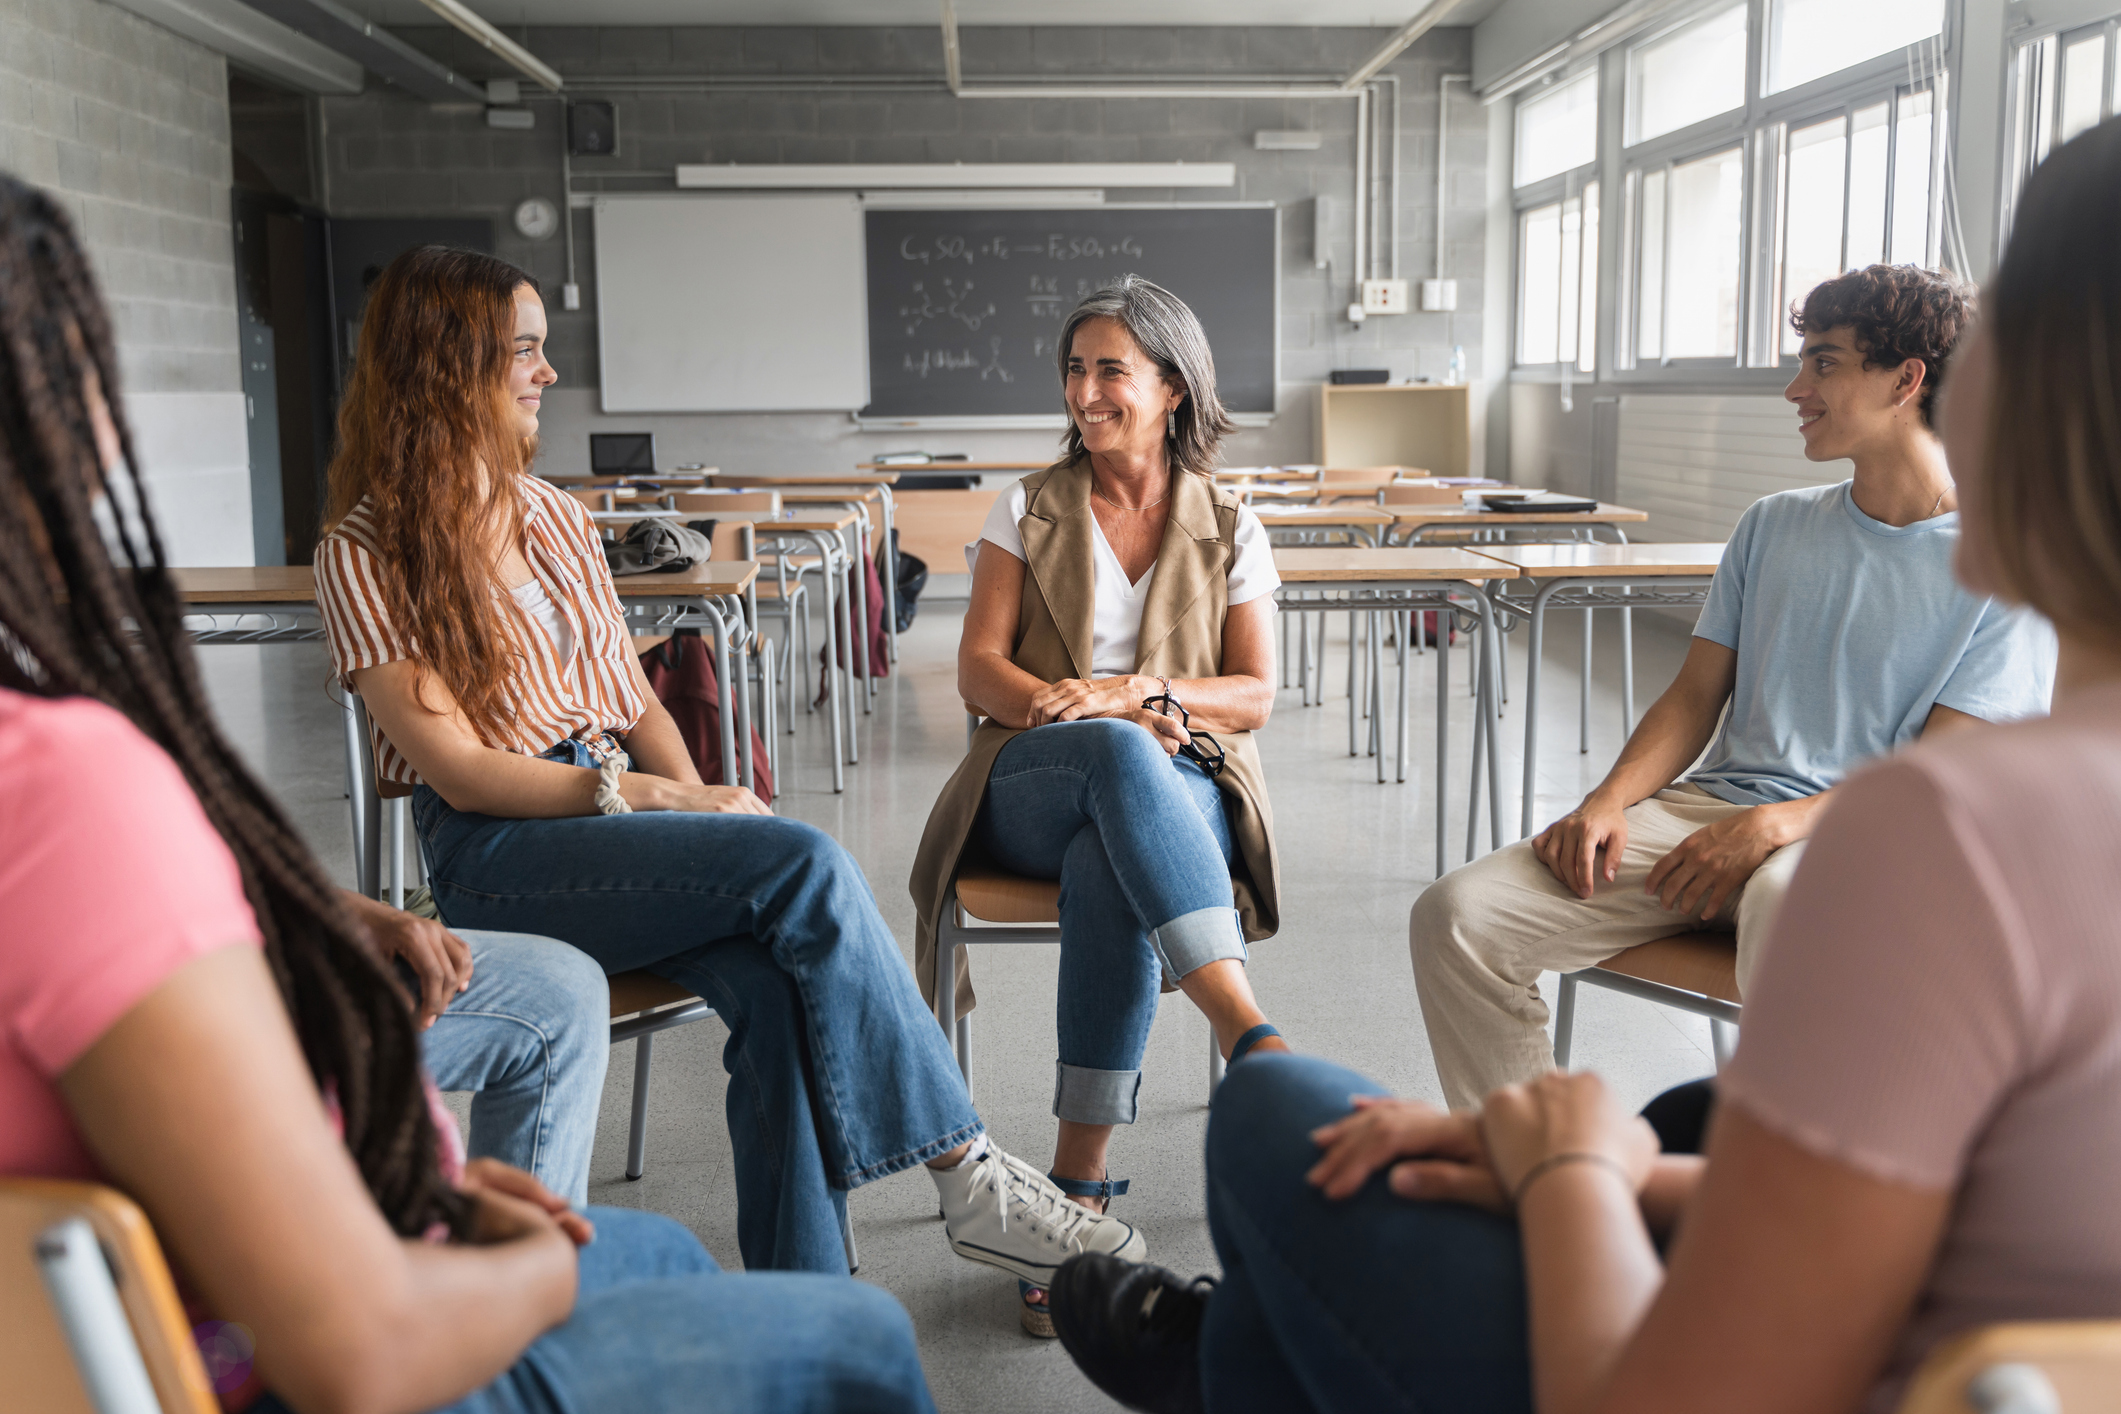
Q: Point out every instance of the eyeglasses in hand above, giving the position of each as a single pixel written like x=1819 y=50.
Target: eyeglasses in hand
x=1203 y=750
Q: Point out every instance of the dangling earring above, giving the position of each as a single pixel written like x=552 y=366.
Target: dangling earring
x=1171 y=425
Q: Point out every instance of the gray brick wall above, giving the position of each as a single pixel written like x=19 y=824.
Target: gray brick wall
x=128 y=125
x=721 y=94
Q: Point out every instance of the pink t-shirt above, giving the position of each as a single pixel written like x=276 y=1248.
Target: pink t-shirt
x=111 y=879
x=1940 y=1007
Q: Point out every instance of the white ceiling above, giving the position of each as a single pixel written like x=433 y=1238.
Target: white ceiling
x=1360 y=13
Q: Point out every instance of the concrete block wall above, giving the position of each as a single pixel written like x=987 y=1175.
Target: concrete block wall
x=801 y=95
x=127 y=124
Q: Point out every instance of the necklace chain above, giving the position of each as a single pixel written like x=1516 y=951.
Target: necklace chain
x=1118 y=507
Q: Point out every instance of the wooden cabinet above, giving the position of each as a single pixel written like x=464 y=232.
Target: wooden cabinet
x=1424 y=425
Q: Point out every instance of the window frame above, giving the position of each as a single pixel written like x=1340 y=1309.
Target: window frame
x=1560 y=189
x=2034 y=93
x=1759 y=129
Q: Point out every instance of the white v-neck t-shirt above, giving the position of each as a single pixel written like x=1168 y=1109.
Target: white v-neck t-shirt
x=1116 y=614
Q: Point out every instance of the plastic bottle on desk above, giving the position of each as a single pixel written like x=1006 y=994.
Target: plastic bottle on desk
x=1458 y=365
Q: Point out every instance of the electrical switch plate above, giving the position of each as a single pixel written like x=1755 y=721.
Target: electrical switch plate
x=1439 y=294
x=1384 y=296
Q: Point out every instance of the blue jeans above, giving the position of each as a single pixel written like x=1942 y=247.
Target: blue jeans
x=1140 y=842
x=838 y=1072
x=1375 y=1303
x=658 y=1329
x=531 y=1035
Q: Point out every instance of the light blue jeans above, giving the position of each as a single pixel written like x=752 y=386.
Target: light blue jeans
x=838 y=1074
x=531 y=1036
x=658 y=1329
x=1140 y=842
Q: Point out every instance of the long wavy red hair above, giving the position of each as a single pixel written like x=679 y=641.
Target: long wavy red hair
x=427 y=437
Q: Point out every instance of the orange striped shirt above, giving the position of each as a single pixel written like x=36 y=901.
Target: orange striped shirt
x=589 y=695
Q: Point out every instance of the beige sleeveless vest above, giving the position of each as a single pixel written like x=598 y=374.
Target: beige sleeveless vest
x=1181 y=637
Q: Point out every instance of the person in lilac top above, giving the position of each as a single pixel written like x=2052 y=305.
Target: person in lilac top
x=1921 y=1128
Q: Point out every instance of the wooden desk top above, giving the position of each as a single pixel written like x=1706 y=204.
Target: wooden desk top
x=1322 y=515
x=947 y=468
x=1281 y=491
x=1243 y=475
x=1452 y=515
x=1592 y=561
x=660 y=478
x=1304 y=564
x=263 y=584
x=828 y=497
x=868 y=476
x=713 y=577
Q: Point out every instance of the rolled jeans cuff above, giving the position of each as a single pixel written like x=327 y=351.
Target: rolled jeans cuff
x=1193 y=940
x=1085 y=1096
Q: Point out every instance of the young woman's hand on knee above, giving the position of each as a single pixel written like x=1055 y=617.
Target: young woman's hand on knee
x=646 y=792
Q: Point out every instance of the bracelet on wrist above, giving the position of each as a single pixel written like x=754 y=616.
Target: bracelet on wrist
x=1572 y=1156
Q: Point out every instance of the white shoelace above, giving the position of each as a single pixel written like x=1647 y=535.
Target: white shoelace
x=1042 y=1202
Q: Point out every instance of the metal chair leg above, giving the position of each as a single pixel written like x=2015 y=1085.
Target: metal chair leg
x=637 y=1134
x=854 y=1259
x=1565 y=1020
x=1217 y=1066
x=1723 y=1041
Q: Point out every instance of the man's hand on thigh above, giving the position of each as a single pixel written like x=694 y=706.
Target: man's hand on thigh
x=1570 y=846
x=1711 y=865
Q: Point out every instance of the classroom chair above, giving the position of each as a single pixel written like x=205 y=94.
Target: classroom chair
x=784 y=597
x=985 y=905
x=1693 y=972
x=92 y=1315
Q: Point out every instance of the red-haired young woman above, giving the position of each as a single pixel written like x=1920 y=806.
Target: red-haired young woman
x=470 y=605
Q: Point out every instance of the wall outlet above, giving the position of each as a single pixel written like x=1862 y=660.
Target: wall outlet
x=1384 y=296
x=1439 y=294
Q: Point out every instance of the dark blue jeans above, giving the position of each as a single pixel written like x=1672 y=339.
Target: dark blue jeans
x=838 y=1073
x=658 y=1329
x=1371 y=1304
x=1140 y=842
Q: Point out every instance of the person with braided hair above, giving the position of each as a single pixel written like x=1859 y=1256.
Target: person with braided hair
x=195 y=1015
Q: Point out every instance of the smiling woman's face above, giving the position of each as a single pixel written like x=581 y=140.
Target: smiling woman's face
x=1116 y=393
x=529 y=375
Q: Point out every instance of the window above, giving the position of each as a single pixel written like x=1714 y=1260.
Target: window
x=1557 y=282
x=1557 y=129
x=1692 y=219
x=1855 y=191
x=1809 y=39
x=2061 y=85
x=1689 y=75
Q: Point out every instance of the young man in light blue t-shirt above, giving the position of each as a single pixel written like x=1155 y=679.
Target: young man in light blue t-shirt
x=1834 y=633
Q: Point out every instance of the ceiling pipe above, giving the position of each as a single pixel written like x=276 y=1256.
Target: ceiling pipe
x=496 y=43
x=953 y=61
x=1391 y=49
x=252 y=41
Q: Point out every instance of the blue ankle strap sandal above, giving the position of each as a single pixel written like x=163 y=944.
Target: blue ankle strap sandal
x=1246 y=1042
x=1036 y=1313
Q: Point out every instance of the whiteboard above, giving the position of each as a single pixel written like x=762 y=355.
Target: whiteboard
x=731 y=303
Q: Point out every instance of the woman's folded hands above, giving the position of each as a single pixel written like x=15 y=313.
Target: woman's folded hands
x=1074 y=699
x=1481 y=1158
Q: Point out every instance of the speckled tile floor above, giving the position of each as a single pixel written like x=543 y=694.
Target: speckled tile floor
x=1337 y=979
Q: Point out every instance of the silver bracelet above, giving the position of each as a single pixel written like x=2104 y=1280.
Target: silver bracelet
x=609 y=801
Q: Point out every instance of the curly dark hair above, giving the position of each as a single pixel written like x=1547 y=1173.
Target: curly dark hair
x=1898 y=312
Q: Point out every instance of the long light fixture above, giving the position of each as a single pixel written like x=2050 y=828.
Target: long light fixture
x=497 y=43
x=880 y=176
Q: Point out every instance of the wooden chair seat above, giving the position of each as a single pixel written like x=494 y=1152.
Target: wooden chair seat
x=994 y=897
x=1706 y=963
x=634 y=992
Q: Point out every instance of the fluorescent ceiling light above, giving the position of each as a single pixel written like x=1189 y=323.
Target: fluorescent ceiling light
x=255 y=42
x=504 y=48
x=1054 y=196
x=954 y=175
x=1269 y=140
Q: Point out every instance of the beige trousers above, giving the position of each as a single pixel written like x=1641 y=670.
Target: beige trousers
x=1482 y=934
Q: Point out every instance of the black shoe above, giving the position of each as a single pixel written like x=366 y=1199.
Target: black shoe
x=1133 y=1329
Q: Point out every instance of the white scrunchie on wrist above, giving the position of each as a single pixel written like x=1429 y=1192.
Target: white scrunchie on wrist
x=609 y=801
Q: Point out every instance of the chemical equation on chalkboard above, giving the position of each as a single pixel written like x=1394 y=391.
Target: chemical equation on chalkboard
x=942 y=250
x=960 y=361
x=953 y=302
x=1046 y=299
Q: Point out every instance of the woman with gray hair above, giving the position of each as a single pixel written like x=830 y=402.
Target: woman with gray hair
x=1118 y=647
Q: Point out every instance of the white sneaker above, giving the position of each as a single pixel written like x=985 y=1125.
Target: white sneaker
x=1001 y=1211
